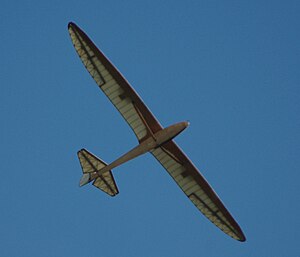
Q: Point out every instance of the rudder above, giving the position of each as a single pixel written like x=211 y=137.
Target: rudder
x=90 y=165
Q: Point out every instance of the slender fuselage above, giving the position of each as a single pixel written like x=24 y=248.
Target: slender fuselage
x=159 y=138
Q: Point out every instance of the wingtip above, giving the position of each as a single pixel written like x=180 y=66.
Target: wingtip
x=242 y=238
x=71 y=24
x=81 y=150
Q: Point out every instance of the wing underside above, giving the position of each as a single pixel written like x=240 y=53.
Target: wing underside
x=196 y=188
x=114 y=86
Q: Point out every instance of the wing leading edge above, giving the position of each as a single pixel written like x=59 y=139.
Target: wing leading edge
x=144 y=125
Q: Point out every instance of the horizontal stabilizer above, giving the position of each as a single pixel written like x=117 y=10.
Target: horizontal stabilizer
x=91 y=165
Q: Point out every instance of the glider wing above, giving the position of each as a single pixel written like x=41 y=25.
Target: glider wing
x=196 y=188
x=114 y=85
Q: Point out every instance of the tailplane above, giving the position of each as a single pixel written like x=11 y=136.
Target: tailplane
x=90 y=165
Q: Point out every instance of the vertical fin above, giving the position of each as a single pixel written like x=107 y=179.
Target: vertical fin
x=90 y=165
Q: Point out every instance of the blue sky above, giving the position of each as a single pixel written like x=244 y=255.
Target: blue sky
x=229 y=67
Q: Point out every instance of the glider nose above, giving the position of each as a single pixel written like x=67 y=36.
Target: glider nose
x=187 y=123
x=182 y=125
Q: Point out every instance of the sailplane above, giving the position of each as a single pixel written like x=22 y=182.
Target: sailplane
x=152 y=137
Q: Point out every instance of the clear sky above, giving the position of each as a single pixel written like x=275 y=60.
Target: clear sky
x=229 y=67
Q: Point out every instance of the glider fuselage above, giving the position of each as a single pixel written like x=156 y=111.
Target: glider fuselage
x=158 y=139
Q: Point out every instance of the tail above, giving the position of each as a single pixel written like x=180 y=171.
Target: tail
x=90 y=165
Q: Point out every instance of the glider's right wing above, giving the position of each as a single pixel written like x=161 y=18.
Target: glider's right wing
x=114 y=85
x=196 y=188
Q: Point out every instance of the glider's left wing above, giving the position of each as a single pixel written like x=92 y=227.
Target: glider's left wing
x=196 y=188
x=114 y=85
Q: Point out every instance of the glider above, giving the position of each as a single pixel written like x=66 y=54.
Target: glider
x=152 y=138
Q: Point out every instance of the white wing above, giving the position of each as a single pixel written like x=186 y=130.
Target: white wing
x=114 y=85
x=196 y=188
